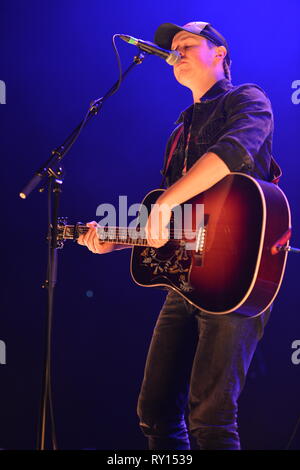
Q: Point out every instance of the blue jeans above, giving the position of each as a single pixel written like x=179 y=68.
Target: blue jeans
x=200 y=360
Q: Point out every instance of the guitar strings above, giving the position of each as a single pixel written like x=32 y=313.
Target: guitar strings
x=125 y=230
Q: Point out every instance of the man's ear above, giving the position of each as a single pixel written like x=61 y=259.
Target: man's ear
x=221 y=52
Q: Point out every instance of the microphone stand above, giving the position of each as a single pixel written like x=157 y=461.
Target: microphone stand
x=52 y=170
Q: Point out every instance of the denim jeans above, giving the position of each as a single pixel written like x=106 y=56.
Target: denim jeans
x=197 y=360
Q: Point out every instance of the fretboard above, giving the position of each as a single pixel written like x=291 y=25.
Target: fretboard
x=118 y=235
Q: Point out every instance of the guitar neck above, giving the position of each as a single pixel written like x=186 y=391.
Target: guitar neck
x=116 y=235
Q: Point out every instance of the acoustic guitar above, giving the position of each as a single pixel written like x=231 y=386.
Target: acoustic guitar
x=235 y=261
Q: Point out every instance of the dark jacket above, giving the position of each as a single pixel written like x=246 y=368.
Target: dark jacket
x=234 y=122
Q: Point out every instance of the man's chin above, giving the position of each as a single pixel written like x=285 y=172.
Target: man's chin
x=183 y=79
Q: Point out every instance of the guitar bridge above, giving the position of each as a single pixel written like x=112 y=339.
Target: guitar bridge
x=200 y=243
x=200 y=240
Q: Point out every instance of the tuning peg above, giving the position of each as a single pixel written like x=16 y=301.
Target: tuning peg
x=62 y=220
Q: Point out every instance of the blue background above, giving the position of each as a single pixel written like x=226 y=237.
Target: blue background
x=55 y=58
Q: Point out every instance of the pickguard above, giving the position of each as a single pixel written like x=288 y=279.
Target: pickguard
x=175 y=267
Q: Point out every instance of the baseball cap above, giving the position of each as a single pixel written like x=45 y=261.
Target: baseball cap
x=165 y=33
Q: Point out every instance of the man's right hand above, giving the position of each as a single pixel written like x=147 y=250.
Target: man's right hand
x=92 y=242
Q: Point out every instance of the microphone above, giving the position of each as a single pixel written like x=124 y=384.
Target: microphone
x=171 y=57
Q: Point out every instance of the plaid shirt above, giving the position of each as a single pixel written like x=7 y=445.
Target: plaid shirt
x=234 y=122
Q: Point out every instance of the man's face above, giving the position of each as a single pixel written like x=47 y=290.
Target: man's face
x=197 y=58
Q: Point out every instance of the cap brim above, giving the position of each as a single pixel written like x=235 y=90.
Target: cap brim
x=165 y=33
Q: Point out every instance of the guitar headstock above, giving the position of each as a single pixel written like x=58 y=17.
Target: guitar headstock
x=61 y=228
x=69 y=232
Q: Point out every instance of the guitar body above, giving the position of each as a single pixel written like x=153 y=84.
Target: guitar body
x=232 y=268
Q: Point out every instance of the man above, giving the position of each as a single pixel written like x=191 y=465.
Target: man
x=195 y=358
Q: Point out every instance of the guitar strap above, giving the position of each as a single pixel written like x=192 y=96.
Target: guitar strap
x=171 y=152
x=275 y=169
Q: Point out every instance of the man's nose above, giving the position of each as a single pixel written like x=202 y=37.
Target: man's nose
x=181 y=50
